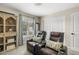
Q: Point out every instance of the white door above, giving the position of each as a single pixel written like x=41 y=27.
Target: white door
x=75 y=30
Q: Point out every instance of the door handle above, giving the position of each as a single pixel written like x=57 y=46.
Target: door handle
x=72 y=33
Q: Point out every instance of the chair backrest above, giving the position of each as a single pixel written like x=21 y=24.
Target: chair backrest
x=57 y=36
x=39 y=34
x=42 y=34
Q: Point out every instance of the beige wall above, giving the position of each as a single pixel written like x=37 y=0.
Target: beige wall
x=67 y=14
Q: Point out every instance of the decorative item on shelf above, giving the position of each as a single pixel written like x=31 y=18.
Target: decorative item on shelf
x=10 y=30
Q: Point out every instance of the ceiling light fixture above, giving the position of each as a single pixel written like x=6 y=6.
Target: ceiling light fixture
x=38 y=4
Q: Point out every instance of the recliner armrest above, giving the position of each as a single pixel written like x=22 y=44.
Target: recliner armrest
x=63 y=50
x=29 y=40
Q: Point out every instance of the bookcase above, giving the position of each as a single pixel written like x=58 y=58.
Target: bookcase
x=8 y=31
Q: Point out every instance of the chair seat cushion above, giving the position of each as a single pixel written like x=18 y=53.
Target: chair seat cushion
x=48 y=51
x=33 y=43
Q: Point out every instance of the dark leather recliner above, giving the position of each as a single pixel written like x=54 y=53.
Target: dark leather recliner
x=49 y=51
x=31 y=45
x=57 y=37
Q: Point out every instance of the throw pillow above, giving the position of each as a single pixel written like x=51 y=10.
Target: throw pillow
x=48 y=43
x=54 y=45
x=57 y=46
x=37 y=39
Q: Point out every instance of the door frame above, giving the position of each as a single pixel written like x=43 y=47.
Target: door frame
x=73 y=29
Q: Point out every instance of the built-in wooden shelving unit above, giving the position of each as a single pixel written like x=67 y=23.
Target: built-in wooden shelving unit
x=8 y=32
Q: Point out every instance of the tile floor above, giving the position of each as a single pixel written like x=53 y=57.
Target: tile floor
x=21 y=50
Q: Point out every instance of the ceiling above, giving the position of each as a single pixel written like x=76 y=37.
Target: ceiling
x=41 y=9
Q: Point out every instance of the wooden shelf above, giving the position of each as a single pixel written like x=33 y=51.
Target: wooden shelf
x=1 y=51
x=11 y=42
x=10 y=34
x=10 y=25
x=1 y=44
x=8 y=29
